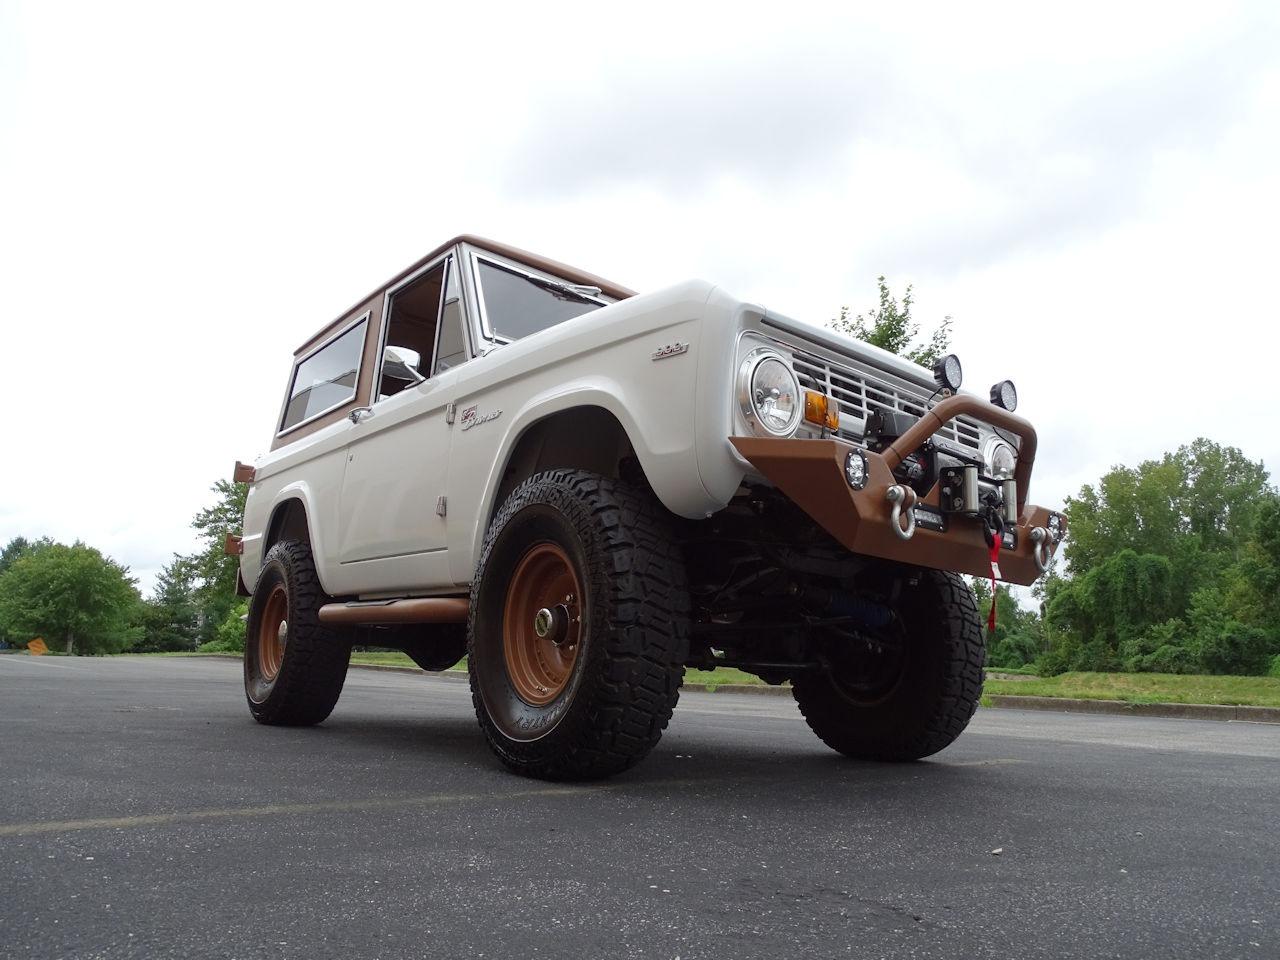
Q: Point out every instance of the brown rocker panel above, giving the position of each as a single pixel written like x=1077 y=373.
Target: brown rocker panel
x=811 y=474
x=417 y=610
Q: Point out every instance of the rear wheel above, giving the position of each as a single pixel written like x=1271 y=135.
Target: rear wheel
x=918 y=694
x=578 y=629
x=294 y=666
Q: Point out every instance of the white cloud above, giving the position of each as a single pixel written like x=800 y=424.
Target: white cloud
x=188 y=196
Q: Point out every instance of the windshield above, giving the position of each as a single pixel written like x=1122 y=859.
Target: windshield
x=517 y=305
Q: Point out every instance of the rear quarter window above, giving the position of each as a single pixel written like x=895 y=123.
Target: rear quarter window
x=326 y=379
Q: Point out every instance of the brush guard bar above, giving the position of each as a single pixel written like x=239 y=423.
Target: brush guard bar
x=870 y=520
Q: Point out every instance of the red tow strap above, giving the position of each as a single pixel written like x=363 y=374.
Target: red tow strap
x=995 y=572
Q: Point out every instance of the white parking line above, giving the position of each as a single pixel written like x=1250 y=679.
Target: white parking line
x=28 y=660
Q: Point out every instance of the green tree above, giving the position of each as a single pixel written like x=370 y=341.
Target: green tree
x=1098 y=613
x=1196 y=507
x=889 y=325
x=169 y=619
x=15 y=548
x=12 y=551
x=1018 y=638
x=73 y=596
x=1252 y=584
x=213 y=572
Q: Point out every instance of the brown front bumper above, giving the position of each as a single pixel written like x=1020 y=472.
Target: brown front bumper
x=811 y=473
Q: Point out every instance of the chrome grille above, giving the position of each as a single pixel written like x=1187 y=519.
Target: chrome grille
x=859 y=391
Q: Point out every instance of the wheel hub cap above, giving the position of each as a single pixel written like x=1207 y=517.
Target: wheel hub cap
x=552 y=623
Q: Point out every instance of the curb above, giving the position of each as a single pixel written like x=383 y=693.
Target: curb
x=1173 y=711
x=1121 y=708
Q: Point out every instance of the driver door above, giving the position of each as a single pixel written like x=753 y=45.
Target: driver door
x=392 y=526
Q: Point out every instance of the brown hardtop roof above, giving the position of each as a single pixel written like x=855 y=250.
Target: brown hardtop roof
x=537 y=262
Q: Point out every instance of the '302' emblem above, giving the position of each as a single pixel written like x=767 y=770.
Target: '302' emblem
x=670 y=350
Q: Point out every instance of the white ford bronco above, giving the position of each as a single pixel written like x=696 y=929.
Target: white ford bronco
x=584 y=491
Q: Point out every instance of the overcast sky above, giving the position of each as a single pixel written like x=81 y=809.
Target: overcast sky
x=189 y=191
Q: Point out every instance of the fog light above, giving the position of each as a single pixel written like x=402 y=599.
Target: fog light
x=1057 y=527
x=1004 y=394
x=855 y=469
x=948 y=372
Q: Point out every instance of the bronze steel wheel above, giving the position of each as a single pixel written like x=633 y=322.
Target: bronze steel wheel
x=273 y=632
x=578 y=629
x=294 y=666
x=542 y=624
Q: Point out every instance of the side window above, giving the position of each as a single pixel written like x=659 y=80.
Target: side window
x=326 y=379
x=453 y=339
x=410 y=340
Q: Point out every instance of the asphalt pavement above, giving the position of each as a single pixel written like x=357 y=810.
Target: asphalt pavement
x=144 y=814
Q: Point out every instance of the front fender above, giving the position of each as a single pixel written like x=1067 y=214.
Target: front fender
x=664 y=450
x=261 y=508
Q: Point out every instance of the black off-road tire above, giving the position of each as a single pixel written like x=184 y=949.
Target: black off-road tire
x=936 y=692
x=619 y=692
x=311 y=665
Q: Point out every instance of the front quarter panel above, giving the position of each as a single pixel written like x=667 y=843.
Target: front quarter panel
x=612 y=359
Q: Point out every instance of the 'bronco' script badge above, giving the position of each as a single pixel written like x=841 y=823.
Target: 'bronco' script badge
x=472 y=418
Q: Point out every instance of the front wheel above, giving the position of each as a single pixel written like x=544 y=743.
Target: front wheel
x=294 y=666
x=578 y=629
x=915 y=698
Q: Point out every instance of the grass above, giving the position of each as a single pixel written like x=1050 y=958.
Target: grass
x=178 y=653
x=1147 y=688
x=720 y=676
x=1130 y=687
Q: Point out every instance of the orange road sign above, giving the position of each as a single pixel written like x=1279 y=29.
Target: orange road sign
x=37 y=647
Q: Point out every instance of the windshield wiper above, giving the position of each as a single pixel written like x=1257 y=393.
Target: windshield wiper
x=575 y=291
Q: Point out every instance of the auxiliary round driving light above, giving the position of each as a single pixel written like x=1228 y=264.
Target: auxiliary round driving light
x=1004 y=394
x=855 y=469
x=1057 y=527
x=948 y=373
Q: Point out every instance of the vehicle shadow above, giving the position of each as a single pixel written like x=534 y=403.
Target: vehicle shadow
x=699 y=763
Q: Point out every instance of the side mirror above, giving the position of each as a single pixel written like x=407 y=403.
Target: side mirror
x=401 y=363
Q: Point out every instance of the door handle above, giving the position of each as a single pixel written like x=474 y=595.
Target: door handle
x=359 y=413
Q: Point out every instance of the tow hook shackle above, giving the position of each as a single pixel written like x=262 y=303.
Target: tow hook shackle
x=1043 y=547
x=903 y=498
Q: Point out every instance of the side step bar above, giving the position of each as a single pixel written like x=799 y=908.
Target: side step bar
x=372 y=613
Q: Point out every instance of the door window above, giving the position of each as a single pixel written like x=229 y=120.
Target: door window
x=453 y=338
x=425 y=334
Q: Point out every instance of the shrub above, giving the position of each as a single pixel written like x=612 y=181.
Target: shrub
x=1018 y=649
x=229 y=637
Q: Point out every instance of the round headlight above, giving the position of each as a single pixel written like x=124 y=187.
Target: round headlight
x=1000 y=459
x=770 y=394
x=1003 y=394
x=948 y=372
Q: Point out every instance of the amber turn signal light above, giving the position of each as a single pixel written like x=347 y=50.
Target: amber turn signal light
x=821 y=410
